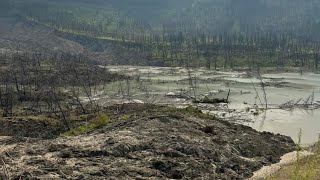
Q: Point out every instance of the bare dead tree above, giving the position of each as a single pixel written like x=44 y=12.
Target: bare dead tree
x=263 y=90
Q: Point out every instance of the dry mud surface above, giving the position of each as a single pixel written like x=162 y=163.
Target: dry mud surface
x=146 y=142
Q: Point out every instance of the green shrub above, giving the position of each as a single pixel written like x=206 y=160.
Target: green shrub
x=193 y=110
x=198 y=113
x=125 y=117
x=99 y=121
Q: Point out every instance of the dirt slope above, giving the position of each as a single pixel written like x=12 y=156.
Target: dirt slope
x=148 y=143
x=23 y=36
x=28 y=36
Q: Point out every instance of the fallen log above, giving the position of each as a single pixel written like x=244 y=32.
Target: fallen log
x=207 y=100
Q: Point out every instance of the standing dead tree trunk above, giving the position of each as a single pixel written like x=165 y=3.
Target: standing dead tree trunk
x=263 y=90
x=6 y=98
x=54 y=101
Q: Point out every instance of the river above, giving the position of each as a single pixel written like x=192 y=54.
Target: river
x=158 y=84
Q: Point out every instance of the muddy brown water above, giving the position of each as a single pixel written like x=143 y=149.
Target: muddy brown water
x=154 y=83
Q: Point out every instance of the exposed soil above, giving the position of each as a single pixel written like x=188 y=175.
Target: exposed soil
x=22 y=36
x=27 y=36
x=147 y=142
x=30 y=127
x=108 y=51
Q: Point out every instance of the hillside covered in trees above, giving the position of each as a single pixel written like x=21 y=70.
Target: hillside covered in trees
x=247 y=17
x=211 y=33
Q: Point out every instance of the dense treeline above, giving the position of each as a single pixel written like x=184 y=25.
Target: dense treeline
x=209 y=16
x=227 y=51
x=299 y=19
x=5 y=6
x=211 y=33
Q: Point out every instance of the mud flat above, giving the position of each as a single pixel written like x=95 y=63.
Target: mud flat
x=171 y=86
x=147 y=142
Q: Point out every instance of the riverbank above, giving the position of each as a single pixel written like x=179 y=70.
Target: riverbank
x=300 y=164
x=147 y=142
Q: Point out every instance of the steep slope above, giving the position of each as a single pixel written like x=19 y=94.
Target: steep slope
x=22 y=36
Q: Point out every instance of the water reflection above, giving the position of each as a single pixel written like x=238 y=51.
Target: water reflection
x=289 y=123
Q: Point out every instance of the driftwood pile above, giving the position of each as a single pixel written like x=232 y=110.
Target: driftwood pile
x=307 y=103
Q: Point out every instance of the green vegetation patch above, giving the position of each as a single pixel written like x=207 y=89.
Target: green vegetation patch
x=100 y=120
x=198 y=113
x=194 y=111
x=125 y=117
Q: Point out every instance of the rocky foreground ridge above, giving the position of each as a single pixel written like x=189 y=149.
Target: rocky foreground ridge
x=146 y=142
